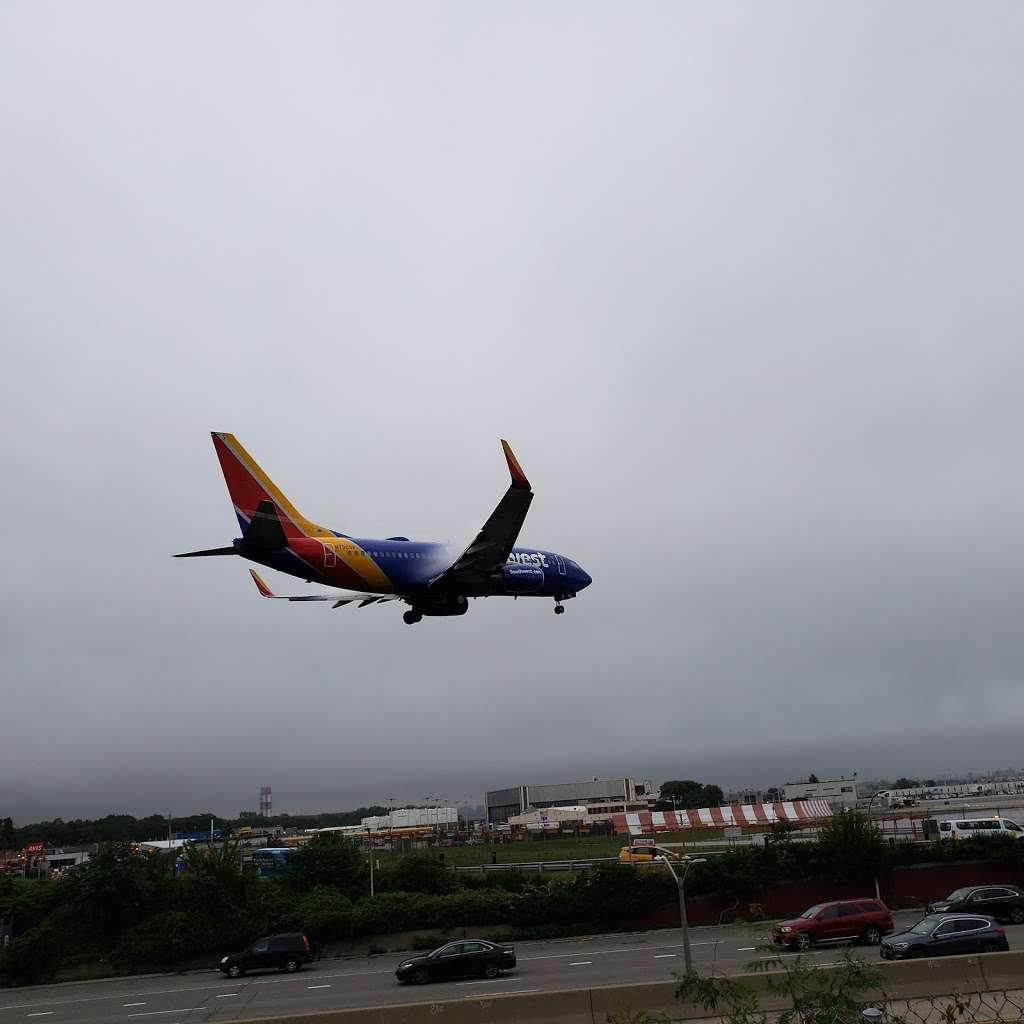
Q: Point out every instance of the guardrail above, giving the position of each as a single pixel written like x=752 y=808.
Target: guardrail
x=537 y=865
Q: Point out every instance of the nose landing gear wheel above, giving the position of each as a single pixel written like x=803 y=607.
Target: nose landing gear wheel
x=412 y=616
x=559 y=609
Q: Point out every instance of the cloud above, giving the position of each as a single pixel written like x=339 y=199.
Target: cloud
x=740 y=286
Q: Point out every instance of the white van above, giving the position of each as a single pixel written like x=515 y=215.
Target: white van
x=965 y=828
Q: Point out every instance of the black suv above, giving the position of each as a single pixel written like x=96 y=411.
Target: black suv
x=275 y=952
x=1003 y=902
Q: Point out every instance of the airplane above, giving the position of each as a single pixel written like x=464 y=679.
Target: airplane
x=422 y=574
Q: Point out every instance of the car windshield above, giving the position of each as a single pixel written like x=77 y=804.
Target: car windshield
x=813 y=911
x=958 y=894
x=926 y=925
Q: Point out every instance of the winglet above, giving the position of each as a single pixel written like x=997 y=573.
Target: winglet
x=264 y=590
x=518 y=476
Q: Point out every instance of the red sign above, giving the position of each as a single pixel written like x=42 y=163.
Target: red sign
x=33 y=848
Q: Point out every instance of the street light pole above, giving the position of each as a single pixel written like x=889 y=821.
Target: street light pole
x=369 y=846
x=687 y=863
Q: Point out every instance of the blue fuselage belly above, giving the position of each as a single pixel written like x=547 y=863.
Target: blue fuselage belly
x=411 y=565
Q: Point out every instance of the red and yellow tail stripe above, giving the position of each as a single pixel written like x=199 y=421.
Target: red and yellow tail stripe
x=340 y=560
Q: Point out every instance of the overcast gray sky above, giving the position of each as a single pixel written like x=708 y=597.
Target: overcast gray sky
x=740 y=282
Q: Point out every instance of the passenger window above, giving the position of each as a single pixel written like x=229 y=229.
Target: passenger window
x=829 y=914
x=259 y=947
x=849 y=910
x=945 y=929
x=1011 y=826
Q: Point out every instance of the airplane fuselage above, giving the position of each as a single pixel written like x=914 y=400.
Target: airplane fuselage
x=407 y=567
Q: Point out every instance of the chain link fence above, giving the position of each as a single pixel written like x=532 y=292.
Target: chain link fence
x=974 y=1008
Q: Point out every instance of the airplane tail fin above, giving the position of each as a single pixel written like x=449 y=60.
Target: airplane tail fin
x=260 y=505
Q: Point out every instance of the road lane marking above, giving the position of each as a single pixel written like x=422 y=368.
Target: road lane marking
x=42 y=1013
x=745 y=949
x=487 y=981
x=153 y=1013
x=663 y=956
x=133 y=1004
x=226 y=995
x=628 y=949
x=317 y=986
x=581 y=963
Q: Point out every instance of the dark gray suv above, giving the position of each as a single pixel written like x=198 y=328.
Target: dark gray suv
x=275 y=952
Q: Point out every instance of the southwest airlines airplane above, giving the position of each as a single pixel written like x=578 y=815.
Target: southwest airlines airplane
x=422 y=574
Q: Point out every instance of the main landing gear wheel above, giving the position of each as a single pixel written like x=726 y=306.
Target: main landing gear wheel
x=412 y=616
x=559 y=609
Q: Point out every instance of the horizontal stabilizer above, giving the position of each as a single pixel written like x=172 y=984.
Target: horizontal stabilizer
x=339 y=599
x=207 y=553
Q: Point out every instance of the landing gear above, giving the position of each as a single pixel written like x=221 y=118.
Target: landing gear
x=411 y=617
x=559 y=608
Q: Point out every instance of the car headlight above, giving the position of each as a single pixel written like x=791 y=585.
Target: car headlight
x=899 y=945
x=785 y=928
x=407 y=963
x=223 y=959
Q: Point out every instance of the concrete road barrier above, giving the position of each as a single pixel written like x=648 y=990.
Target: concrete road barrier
x=909 y=979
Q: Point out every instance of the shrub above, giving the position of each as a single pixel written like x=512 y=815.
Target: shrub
x=325 y=915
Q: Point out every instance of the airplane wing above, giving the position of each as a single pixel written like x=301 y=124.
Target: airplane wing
x=339 y=599
x=492 y=545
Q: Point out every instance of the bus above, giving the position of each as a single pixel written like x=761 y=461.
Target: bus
x=271 y=860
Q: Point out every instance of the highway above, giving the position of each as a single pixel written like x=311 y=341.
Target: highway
x=370 y=981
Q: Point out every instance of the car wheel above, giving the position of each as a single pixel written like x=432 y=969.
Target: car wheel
x=234 y=971
x=421 y=976
x=917 y=953
x=292 y=964
x=873 y=935
x=491 y=971
x=989 y=947
x=1017 y=915
x=802 y=942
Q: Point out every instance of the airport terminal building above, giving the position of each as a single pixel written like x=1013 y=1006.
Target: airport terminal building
x=601 y=797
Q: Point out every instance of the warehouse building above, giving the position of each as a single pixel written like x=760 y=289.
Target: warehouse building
x=838 y=792
x=601 y=797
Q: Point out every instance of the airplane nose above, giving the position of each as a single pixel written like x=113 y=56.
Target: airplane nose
x=585 y=579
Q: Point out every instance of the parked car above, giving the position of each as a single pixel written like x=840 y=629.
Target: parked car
x=458 y=960
x=941 y=934
x=864 y=920
x=1003 y=902
x=274 y=952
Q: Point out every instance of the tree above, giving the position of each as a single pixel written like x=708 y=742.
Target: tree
x=687 y=794
x=850 y=847
x=812 y=778
x=905 y=783
x=117 y=888
x=417 y=873
x=329 y=861
x=7 y=841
